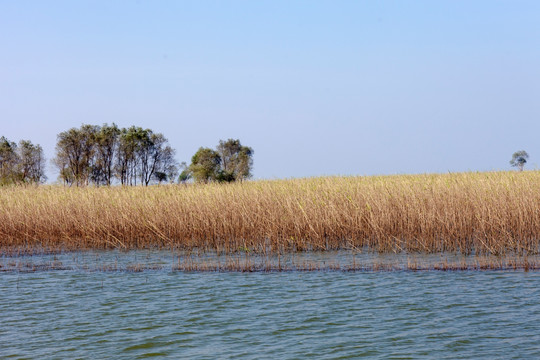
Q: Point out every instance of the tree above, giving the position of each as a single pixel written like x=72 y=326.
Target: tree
x=24 y=163
x=168 y=164
x=229 y=162
x=155 y=156
x=519 y=159
x=106 y=142
x=142 y=154
x=128 y=146
x=237 y=160
x=243 y=163
x=75 y=154
x=31 y=162
x=9 y=159
x=205 y=165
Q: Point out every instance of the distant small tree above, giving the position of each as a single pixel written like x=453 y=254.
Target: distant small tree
x=160 y=176
x=519 y=159
x=185 y=174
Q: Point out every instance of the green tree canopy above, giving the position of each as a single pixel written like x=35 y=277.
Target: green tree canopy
x=231 y=161
x=205 y=165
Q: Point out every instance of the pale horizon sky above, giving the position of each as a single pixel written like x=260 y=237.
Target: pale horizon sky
x=314 y=87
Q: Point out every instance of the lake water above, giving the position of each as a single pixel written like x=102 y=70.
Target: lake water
x=78 y=313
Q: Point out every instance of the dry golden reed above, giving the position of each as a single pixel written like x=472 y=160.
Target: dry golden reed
x=482 y=213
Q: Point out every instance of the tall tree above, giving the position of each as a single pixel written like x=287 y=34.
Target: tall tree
x=75 y=154
x=106 y=142
x=237 y=160
x=144 y=156
x=9 y=159
x=127 y=159
x=243 y=163
x=156 y=156
x=169 y=166
x=31 y=162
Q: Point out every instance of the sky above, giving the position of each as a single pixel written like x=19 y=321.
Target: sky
x=314 y=87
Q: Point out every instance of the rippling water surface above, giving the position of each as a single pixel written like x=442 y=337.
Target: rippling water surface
x=66 y=314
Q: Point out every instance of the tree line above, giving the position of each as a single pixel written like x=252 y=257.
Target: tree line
x=104 y=155
x=99 y=155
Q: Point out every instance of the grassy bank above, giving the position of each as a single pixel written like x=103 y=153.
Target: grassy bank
x=487 y=213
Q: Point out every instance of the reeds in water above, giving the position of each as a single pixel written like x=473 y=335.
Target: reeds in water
x=341 y=261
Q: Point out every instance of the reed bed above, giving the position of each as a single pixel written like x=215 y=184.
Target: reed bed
x=492 y=213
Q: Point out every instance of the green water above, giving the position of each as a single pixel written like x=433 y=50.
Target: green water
x=78 y=313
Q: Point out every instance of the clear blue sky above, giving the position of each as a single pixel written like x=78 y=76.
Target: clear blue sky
x=315 y=87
